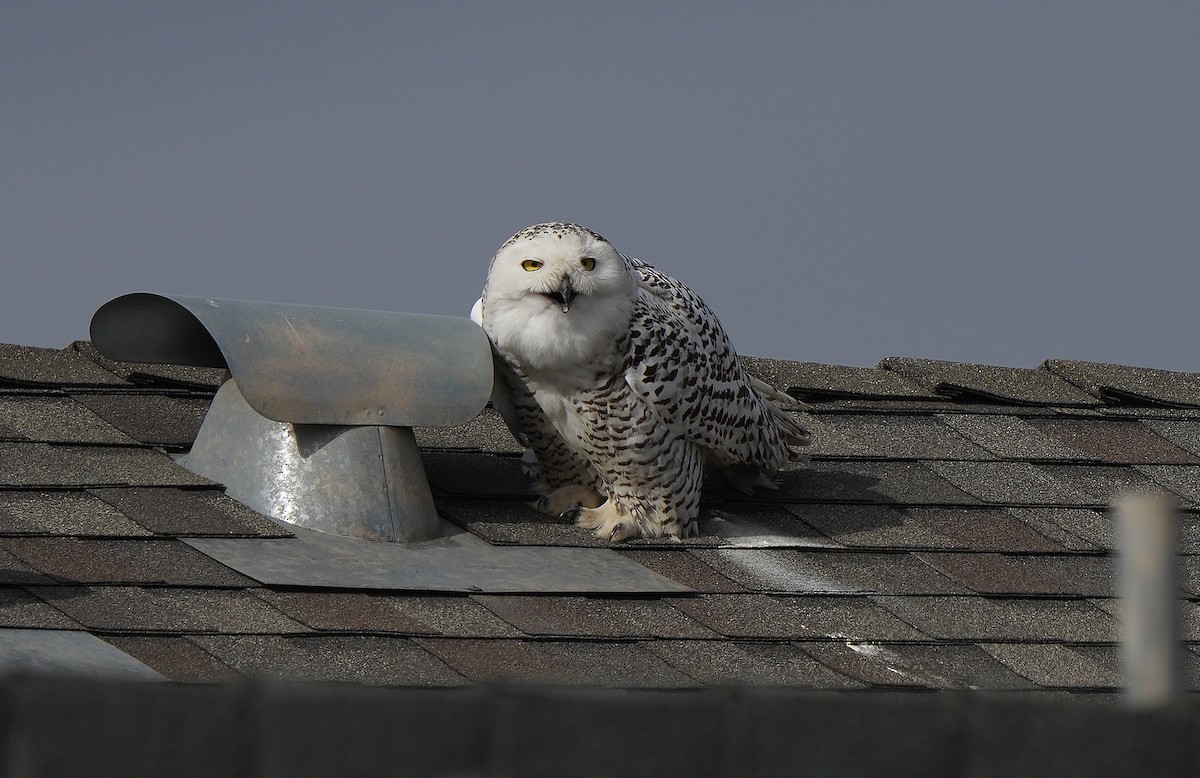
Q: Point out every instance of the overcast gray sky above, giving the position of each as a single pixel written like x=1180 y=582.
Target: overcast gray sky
x=996 y=182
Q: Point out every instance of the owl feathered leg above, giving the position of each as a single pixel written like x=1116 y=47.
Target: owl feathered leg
x=566 y=497
x=608 y=521
x=650 y=496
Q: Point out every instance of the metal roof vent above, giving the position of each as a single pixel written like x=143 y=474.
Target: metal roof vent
x=315 y=426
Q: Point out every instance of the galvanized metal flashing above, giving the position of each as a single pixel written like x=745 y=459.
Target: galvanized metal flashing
x=314 y=428
x=365 y=482
x=460 y=563
x=308 y=364
x=68 y=652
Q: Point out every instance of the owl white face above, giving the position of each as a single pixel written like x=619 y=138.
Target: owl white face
x=557 y=294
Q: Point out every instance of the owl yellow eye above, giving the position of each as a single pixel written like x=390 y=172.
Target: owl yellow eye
x=531 y=265
x=588 y=263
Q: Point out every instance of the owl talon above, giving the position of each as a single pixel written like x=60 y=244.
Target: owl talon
x=567 y=498
x=572 y=513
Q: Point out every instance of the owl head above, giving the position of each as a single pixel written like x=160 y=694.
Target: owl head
x=556 y=293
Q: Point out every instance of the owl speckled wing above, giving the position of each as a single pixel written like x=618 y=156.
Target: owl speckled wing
x=684 y=367
x=555 y=464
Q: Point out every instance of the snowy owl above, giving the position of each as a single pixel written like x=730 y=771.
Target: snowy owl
x=623 y=384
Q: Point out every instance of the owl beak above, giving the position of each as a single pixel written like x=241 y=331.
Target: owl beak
x=563 y=295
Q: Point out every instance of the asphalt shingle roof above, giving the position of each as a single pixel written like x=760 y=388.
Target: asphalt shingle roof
x=950 y=531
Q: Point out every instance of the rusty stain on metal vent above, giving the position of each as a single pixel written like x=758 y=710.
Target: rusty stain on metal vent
x=314 y=428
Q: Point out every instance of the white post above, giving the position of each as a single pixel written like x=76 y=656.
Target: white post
x=1149 y=587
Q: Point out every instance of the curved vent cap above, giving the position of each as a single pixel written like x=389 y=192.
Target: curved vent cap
x=314 y=427
x=306 y=364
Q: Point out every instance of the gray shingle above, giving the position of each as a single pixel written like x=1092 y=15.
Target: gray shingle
x=1101 y=484
x=407 y=614
x=1075 y=529
x=1109 y=657
x=748 y=616
x=384 y=661
x=108 y=561
x=718 y=663
x=1040 y=574
x=1184 y=433
x=868 y=526
x=860 y=662
x=45 y=465
x=804 y=618
x=905 y=483
x=175 y=657
x=20 y=609
x=139 y=609
x=1113 y=441
x=459 y=473
x=14 y=572
x=1054 y=665
x=1189 y=614
x=1146 y=413
x=1183 y=480
x=1189 y=574
x=190 y=512
x=992 y=573
x=683 y=567
x=776 y=571
x=1010 y=437
x=983 y=529
x=504 y=661
x=833 y=572
x=947 y=665
x=1082 y=576
x=1121 y=383
x=599 y=617
x=882 y=527
x=879 y=436
x=809 y=380
x=29 y=512
x=51 y=419
x=1011 y=483
x=155 y=419
x=749 y=525
x=158 y=375
x=486 y=432
x=618 y=664
x=10 y=433
x=976 y=619
x=989 y=382
x=850 y=618
x=28 y=366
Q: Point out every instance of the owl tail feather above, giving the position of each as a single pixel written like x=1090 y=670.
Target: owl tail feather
x=779 y=405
